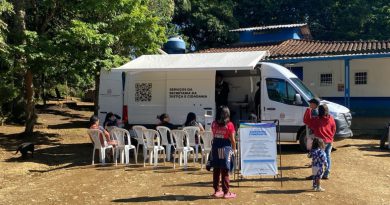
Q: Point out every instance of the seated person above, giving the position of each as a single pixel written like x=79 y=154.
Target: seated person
x=94 y=124
x=191 y=121
x=164 y=121
x=111 y=120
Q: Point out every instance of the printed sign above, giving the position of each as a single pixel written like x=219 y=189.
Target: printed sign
x=258 y=149
x=185 y=93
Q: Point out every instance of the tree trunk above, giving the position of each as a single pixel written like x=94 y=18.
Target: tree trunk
x=20 y=39
x=30 y=105
x=96 y=101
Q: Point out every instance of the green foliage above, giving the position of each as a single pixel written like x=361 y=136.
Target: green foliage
x=69 y=41
x=328 y=19
x=164 y=9
x=8 y=93
x=106 y=39
x=205 y=22
x=5 y=8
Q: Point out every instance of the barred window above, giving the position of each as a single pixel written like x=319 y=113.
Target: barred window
x=326 y=79
x=360 y=78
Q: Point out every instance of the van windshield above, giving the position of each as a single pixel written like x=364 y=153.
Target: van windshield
x=303 y=88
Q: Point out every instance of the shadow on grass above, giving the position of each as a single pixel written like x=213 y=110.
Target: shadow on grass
x=189 y=170
x=364 y=137
x=12 y=141
x=193 y=184
x=234 y=182
x=201 y=172
x=140 y=167
x=289 y=149
x=49 y=149
x=71 y=125
x=292 y=167
x=61 y=112
x=380 y=155
x=162 y=198
x=369 y=148
x=270 y=179
x=67 y=155
x=282 y=191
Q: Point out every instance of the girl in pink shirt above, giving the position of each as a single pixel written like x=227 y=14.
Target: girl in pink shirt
x=223 y=149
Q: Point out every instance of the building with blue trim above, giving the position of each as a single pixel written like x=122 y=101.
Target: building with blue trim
x=353 y=73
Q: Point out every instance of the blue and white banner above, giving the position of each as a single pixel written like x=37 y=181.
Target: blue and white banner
x=258 y=149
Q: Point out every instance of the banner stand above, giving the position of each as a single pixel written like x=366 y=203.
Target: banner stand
x=237 y=170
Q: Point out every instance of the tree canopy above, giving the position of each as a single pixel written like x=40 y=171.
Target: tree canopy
x=327 y=19
x=206 y=23
x=65 y=40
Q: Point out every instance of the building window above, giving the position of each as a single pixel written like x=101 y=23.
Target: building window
x=326 y=79
x=360 y=78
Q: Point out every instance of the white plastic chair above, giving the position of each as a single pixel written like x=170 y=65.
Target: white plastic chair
x=97 y=145
x=207 y=138
x=191 y=133
x=153 y=145
x=164 y=139
x=120 y=135
x=180 y=136
x=109 y=128
x=139 y=131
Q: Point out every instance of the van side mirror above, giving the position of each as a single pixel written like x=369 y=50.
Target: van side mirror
x=298 y=99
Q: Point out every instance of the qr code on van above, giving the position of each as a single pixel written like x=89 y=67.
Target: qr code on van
x=143 y=92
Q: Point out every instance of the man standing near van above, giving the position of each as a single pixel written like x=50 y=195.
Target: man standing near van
x=314 y=103
x=221 y=91
x=257 y=99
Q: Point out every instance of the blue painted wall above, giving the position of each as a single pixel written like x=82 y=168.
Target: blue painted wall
x=365 y=106
x=269 y=36
x=298 y=71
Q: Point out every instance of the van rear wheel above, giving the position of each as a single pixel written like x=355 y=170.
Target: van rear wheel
x=302 y=140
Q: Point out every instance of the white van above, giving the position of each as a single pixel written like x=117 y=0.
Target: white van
x=140 y=93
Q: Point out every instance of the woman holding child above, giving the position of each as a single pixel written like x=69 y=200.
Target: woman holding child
x=323 y=127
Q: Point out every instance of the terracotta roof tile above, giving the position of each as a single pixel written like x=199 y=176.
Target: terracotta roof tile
x=360 y=46
x=258 y=28
x=299 y=48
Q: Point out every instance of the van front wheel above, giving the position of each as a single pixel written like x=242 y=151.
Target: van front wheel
x=302 y=140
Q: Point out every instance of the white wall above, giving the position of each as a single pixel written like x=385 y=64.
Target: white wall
x=145 y=112
x=378 y=77
x=313 y=70
x=199 y=94
x=175 y=93
x=378 y=73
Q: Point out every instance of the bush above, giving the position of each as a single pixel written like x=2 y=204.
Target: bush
x=7 y=95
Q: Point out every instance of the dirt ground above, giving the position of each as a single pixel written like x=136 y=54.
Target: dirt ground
x=61 y=173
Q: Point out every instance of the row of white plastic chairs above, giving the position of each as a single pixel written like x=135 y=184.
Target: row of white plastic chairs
x=153 y=142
